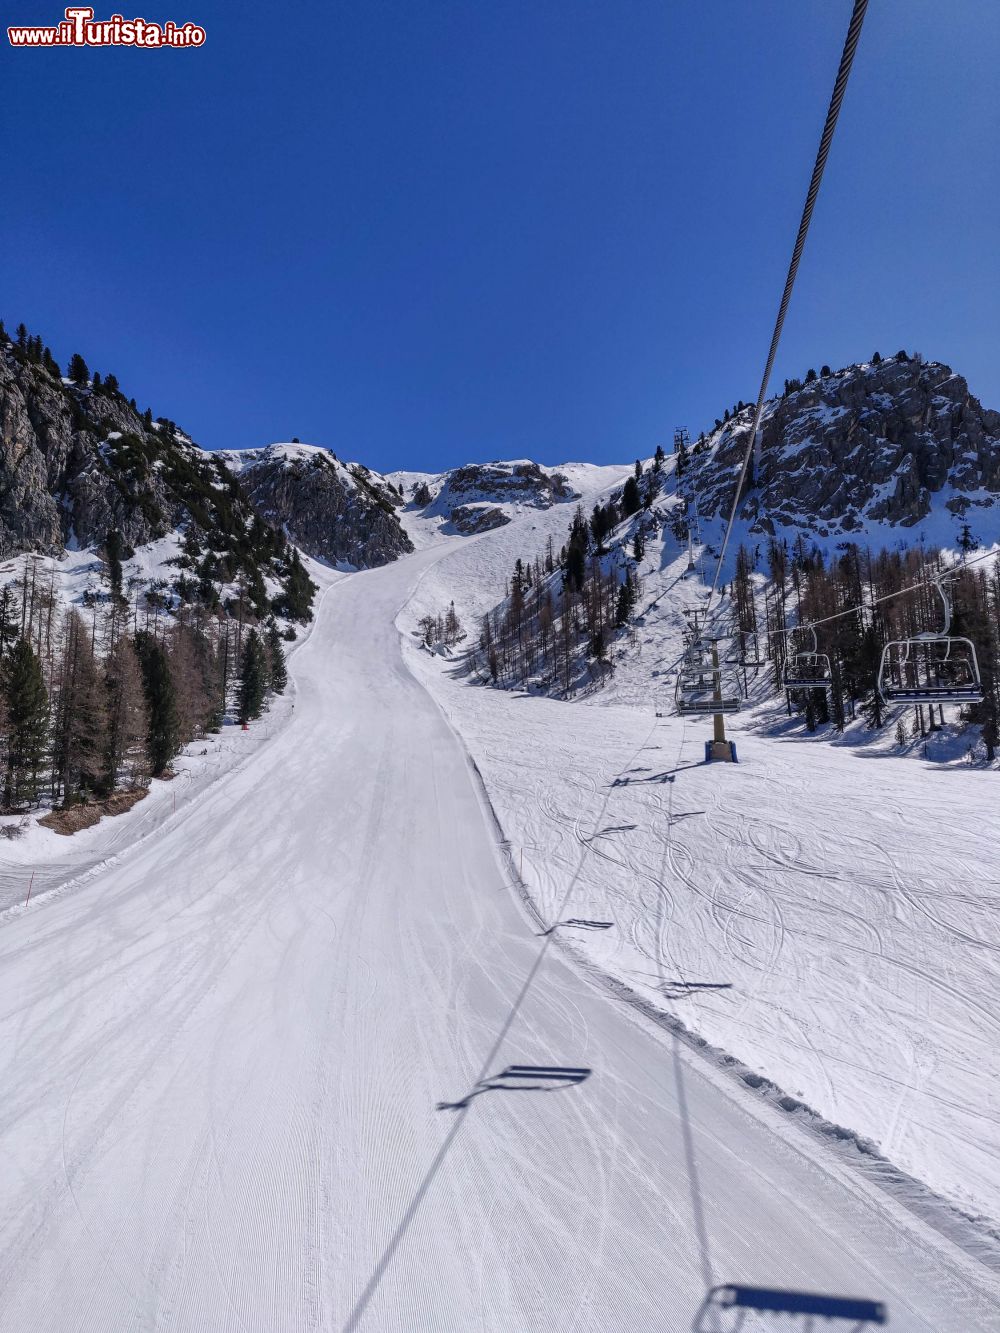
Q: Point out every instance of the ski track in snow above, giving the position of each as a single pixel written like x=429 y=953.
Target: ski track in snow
x=223 y=1052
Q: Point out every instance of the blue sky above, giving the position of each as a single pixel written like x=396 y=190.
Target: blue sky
x=426 y=233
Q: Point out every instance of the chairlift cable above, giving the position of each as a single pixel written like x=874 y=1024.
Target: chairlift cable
x=833 y=112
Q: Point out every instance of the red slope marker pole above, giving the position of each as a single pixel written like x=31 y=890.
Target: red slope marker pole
x=30 y=882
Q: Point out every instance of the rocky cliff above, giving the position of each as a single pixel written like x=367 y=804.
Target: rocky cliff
x=78 y=460
x=339 y=512
x=75 y=462
x=890 y=444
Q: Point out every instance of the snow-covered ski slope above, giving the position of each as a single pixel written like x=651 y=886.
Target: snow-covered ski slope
x=222 y=1058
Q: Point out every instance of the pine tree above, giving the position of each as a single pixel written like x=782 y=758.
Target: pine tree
x=28 y=725
x=253 y=678
x=625 y=604
x=78 y=371
x=80 y=716
x=631 y=499
x=966 y=542
x=164 y=730
x=299 y=590
x=277 y=669
x=638 y=546
x=193 y=670
x=576 y=551
x=638 y=469
x=125 y=752
x=113 y=551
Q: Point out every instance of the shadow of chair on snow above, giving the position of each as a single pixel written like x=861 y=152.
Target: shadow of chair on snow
x=522 y=1078
x=724 y=1309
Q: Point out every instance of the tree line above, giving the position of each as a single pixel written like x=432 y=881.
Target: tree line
x=92 y=703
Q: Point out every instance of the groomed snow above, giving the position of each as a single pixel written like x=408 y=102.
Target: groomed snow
x=223 y=1054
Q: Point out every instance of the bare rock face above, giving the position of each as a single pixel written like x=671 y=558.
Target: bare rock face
x=470 y=519
x=341 y=513
x=521 y=483
x=74 y=464
x=877 y=443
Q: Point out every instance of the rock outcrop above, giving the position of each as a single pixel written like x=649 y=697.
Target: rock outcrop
x=887 y=444
x=341 y=513
x=521 y=482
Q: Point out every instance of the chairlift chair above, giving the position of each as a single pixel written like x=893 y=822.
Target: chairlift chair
x=808 y=669
x=695 y=692
x=947 y=663
x=736 y=1300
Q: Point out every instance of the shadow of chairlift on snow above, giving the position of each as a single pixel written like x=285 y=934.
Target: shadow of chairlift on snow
x=522 y=1078
x=579 y=923
x=724 y=1310
x=677 y=990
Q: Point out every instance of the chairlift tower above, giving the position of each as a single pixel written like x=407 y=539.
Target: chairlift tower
x=719 y=749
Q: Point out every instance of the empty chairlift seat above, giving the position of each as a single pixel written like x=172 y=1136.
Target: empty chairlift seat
x=807 y=669
x=932 y=667
x=703 y=689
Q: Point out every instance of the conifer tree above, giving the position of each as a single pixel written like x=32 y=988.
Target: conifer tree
x=164 y=729
x=113 y=550
x=79 y=729
x=299 y=590
x=125 y=756
x=277 y=669
x=78 y=371
x=253 y=678
x=631 y=499
x=638 y=546
x=625 y=604
x=28 y=725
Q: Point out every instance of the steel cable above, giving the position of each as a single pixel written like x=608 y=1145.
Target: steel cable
x=833 y=112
